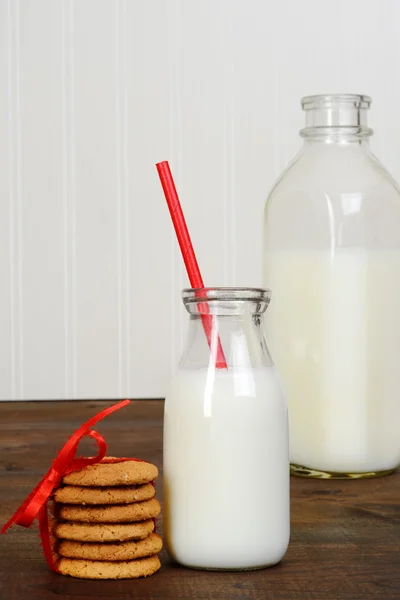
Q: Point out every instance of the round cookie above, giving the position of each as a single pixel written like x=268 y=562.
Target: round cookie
x=111 y=552
x=73 y=494
x=90 y=532
x=97 y=569
x=119 y=513
x=128 y=472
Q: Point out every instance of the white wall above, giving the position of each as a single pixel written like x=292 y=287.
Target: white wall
x=93 y=93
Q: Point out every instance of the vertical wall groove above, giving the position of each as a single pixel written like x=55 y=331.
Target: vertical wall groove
x=118 y=154
x=15 y=203
x=69 y=209
x=225 y=157
x=171 y=99
x=19 y=198
x=66 y=194
x=126 y=214
x=122 y=201
x=228 y=153
x=11 y=151
x=174 y=37
x=71 y=100
x=179 y=152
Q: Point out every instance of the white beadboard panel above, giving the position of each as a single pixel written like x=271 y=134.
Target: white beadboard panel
x=150 y=133
x=39 y=202
x=7 y=202
x=94 y=93
x=91 y=87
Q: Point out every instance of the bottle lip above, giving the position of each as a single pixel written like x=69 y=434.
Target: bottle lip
x=225 y=294
x=328 y=100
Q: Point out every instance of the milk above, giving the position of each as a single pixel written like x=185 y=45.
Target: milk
x=333 y=329
x=226 y=469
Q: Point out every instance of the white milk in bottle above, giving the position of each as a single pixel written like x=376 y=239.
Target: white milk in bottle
x=226 y=455
x=334 y=332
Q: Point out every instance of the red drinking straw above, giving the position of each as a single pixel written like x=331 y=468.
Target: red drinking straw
x=189 y=257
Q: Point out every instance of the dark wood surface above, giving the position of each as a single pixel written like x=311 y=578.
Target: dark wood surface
x=345 y=542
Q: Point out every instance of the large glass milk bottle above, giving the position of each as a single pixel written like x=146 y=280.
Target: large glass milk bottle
x=332 y=261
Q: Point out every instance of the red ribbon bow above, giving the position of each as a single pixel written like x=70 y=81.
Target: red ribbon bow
x=35 y=505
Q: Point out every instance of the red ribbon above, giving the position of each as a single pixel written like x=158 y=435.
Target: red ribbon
x=35 y=505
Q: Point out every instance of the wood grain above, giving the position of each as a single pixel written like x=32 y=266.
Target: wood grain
x=345 y=534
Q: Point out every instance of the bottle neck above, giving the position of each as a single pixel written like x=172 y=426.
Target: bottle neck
x=336 y=119
x=241 y=337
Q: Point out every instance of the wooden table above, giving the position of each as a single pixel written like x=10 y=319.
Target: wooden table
x=345 y=540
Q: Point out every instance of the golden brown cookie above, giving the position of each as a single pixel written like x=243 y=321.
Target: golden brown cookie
x=119 y=513
x=152 y=544
x=73 y=494
x=97 y=569
x=128 y=472
x=90 y=532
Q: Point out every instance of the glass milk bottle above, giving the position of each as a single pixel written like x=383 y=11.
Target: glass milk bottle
x=226 y=455
x=332 y=261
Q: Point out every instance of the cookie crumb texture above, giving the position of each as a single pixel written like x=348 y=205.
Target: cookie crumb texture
x=128 y=472
x=74 y=494
x=93 y=569
x=127 y=513
x=111 y=552
x=91 y=532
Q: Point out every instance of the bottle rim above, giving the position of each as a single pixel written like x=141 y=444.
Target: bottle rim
x=225 y=294
x=326 y=100
x=226 y=301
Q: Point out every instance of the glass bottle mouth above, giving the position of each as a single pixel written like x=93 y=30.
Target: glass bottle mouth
x=322 y=100
x=226 y=300
x=336 y=113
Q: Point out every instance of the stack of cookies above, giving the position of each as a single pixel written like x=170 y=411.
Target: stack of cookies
x=104 y=520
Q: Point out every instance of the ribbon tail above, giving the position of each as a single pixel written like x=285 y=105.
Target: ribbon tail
x=45 y=536
x=9 y=523
x=21 y=510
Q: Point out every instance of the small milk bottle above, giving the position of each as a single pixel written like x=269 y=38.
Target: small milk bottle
x=332 y=261
x=226 y=455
